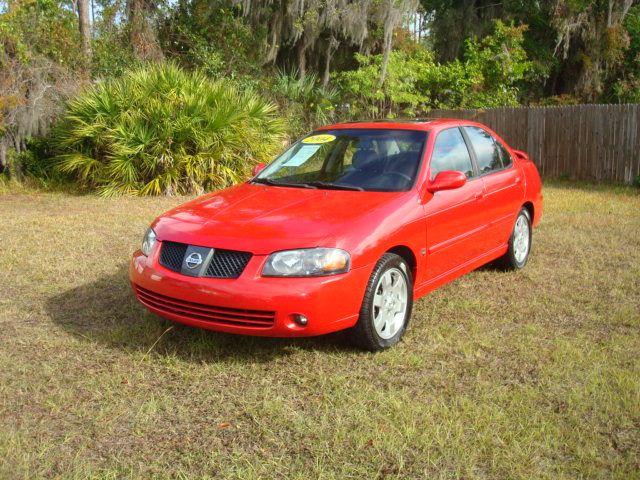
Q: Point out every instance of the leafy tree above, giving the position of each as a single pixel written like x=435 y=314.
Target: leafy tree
x=576 y=46
x=39 y=41
x=627 y=87
x=502 y=63
x=364 y=96
x=212 y=36
x=488 y=75
x=44 y=28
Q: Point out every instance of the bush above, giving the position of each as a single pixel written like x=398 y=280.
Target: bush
x=38 y=164
x=160 y=130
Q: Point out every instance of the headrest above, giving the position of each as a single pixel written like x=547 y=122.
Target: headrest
x=405 y=163
x=361 y=158
x=366 y=144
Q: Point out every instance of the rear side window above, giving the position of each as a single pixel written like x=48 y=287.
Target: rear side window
x=486 y=150
x=504 y=154
x=450 y=153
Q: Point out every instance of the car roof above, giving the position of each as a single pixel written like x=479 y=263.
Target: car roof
x=401 y=124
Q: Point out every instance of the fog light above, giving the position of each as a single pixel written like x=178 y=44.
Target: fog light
x=300 y=319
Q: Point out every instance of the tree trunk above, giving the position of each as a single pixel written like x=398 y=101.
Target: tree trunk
x=275 y=38
x=85 y=29
x=327 y=72
x=274 y=45
x=331 y=45
x=388 y=36
x=143 y=38
x=3 y=155
x=302 y=58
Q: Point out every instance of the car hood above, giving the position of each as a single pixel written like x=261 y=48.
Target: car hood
x=263 y=219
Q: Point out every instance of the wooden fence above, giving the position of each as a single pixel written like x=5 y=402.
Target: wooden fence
x=584 y=142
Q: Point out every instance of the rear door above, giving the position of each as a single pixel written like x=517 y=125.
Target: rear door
x=454 y=217
x=503 y=186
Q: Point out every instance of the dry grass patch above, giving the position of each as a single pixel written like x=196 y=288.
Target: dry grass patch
x=534 y=374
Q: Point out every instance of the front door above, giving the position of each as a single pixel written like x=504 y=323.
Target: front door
x=454 y=218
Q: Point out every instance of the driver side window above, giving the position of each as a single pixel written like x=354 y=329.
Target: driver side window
x=450 y=153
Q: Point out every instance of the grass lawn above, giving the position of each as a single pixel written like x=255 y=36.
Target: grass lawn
x=534 y=374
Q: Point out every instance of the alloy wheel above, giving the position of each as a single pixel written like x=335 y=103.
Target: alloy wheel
x=390 y=302
x=521 y=237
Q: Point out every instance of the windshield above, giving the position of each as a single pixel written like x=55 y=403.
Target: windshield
x=382 y=160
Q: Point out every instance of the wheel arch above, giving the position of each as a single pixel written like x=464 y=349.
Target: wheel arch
x=530 y=208
x=408 y=256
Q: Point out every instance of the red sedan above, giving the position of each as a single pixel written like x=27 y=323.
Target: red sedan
x=344 y=230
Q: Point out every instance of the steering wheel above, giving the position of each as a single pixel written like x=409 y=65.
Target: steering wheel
x=399 y=174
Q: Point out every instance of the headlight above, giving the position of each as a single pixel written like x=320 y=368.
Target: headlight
x=307 y=262
x=148 y=241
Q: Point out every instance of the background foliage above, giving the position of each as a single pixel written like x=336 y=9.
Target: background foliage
x=317 y=61
x=488 y=74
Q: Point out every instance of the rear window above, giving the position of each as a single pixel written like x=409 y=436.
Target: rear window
x=487 y=154
x=505 y=157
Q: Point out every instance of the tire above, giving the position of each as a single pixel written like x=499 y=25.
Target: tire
x=383 y=305
x=519 y=243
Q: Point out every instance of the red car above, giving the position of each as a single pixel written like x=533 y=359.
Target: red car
x=344 y=230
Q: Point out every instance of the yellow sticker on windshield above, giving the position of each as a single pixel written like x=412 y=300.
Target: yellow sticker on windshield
x=324 y=138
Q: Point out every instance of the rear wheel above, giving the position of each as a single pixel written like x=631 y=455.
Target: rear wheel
x=386 y=306
x=519 y=242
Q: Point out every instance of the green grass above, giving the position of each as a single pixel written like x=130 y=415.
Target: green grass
x=534 y=374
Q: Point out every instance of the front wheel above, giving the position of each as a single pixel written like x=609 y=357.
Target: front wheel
x=386 y=306
x=519 y=242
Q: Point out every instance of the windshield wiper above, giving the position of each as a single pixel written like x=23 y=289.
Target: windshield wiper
x=335 y=186
x=273 y=183
x=315 y=184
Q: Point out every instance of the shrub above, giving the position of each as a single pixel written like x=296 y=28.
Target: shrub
x=37 y=164
x=160 y=130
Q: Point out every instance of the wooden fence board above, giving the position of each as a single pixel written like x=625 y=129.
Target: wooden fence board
x=635 y=170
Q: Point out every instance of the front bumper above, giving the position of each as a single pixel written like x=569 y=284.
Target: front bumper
x=250 y=304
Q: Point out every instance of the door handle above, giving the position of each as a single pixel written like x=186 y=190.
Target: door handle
x=478 y=195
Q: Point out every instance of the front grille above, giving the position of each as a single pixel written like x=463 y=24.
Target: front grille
x=223 y=264
x=227 y=264
x=208 y=313
x=172 y=254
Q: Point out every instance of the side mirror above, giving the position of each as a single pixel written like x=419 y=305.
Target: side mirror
x=447 y=180
x=257 y=169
